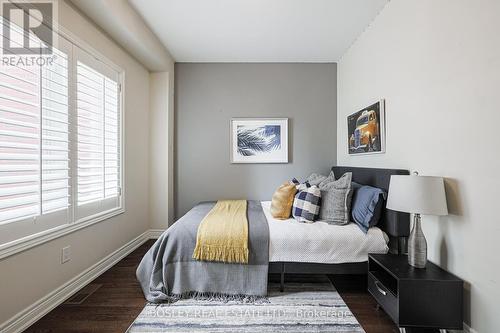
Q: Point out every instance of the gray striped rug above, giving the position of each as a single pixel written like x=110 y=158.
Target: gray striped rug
x=304 y=307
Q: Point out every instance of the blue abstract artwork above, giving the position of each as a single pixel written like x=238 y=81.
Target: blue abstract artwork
x=259 y=141
x=264 y=139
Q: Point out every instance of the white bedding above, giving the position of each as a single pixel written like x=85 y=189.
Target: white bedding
x=320 y=242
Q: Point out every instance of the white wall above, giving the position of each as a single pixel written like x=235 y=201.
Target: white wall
x=161 y=149
x=30 y=275
x=437 y=64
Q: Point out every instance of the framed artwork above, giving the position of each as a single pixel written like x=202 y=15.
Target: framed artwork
x=259 y=140
x=366 y=130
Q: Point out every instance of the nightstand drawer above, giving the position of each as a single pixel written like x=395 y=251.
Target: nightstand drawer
x=384 y=296
x=425 y=298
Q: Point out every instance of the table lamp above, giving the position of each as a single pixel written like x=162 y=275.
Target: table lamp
x=418 y=195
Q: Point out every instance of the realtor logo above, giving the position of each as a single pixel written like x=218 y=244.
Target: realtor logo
x=27 y=27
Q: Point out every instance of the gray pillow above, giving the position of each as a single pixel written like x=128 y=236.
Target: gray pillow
x=315 y=179
x=336 y=198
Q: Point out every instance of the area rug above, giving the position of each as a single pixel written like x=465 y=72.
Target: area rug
x=306 y=306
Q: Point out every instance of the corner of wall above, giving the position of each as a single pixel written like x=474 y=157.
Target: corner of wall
x=161 y=136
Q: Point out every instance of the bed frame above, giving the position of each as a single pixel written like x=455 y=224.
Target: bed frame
x=395 y=224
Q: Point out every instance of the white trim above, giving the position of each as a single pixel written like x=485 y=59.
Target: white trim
x=122 y=138
x=467 y=329
x=62 y=31
x=25 y=243
x=40 y=308
x=155 y=233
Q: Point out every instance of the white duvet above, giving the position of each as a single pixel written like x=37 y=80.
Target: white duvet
x=320 y=242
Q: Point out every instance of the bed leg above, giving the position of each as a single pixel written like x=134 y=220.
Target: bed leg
x=282 y=278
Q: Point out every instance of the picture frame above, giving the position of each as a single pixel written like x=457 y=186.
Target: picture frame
x=366 y=130
x=258 y=140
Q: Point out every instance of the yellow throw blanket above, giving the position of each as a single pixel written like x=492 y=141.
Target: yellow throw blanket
x=223 y=233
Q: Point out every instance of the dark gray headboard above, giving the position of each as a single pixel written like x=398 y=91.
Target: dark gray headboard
x=393 y=223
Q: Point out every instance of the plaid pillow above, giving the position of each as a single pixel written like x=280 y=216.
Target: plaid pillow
x=301 y=186
x=307 y=202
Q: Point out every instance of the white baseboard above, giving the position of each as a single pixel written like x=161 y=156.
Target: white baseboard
x=155 y=233
x=467 y=329
x=34 y=312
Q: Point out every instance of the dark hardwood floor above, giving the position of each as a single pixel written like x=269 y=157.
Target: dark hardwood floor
x=115 y=305
x=353 y=289
x=112 y=308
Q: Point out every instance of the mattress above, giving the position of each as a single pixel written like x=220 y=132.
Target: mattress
x=320 y=242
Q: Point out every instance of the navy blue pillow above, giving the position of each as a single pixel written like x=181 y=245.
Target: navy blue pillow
x=367 y=204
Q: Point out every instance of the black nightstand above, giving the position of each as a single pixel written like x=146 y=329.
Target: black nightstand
x=413 y=297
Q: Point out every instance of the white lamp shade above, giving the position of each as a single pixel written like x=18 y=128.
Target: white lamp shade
x=417 y=194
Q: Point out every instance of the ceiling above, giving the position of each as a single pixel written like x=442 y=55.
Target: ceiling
x=258 y=30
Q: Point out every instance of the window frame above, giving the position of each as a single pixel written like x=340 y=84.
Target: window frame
x=74 y=224
x=86 y=211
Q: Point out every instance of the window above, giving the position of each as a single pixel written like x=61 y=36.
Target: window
x=60 y=141
x=98 y=135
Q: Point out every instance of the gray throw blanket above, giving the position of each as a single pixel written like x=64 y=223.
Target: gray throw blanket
x=168 y=272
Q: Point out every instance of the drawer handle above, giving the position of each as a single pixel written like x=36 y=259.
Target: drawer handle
x=380 y=290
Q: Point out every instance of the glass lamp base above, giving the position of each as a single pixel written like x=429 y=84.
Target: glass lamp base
x=417 y=245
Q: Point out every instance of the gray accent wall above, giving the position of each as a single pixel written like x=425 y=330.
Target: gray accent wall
x=208 y=95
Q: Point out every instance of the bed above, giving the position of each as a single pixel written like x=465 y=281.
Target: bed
x=169 y=272
x=293 y=241
x=393 y=226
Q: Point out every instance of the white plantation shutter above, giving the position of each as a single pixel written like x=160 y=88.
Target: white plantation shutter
x=60 y=141
x=90 y=127
x=19 y=137
x=55 y=135
x=19 y=142
x=98 y=136
x=111 y=137
x=34 y=144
